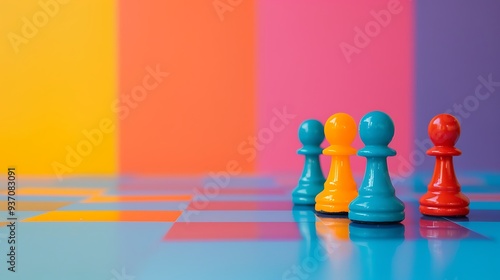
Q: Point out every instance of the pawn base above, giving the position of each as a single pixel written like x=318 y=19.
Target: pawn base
x=331 y=208
x=444 y=204
x=382 y=209
x=334 y=202
x=376 y=223
x=444 y=212
x=303 y=200
x=331 y=214
x=376 y=217
x=305 y=194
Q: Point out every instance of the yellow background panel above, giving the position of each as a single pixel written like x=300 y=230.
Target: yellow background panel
x=58 y=77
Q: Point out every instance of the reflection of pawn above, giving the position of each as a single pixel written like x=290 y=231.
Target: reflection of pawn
x=443 y=237
x=377 y=202
x=334 y=234
x=439 y=228
x=311 y=182
x=443 y=197
x=364 y=232
x=337 y=228
x=340 y=187
x=305 y=218
x=378 y=249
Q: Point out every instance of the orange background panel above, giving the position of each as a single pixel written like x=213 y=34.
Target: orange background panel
x=194 y=119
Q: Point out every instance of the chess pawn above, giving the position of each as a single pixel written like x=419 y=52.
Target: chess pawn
x=377 y=202
x=340 y=187
x=311 y=181
x=443 y=197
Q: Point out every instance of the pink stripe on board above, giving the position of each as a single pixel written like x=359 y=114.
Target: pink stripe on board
x=240 y=205
x=232 y=231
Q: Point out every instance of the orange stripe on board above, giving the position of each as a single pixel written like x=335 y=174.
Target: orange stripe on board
x=98 y=199
x=36 y=205
x=193 y=119
x=57 y=191
x=106 y=216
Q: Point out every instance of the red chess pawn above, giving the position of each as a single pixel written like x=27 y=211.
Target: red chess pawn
x=443 y=197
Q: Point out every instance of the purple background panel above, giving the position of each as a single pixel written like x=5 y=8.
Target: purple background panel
x=457 y=43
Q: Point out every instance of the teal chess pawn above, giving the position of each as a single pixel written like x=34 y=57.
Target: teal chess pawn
x=311 y=135
x=376 y=201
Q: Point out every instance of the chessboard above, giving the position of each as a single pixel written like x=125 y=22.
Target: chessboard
x=238 y=228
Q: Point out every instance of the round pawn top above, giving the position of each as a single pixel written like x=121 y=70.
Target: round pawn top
x=340 y=129
x=376 y=129
x=311 y=133
x=444 y=130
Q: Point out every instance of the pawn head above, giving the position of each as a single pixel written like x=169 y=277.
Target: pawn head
x=376 y=128
x=444 y=130
x=311 y=133
x=340 y=129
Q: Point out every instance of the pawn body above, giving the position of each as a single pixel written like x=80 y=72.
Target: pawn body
x=340 y=187
x=376 y=202
x=444 y=197
x=312 y=179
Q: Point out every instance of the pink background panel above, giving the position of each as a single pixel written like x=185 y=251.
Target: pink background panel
x=301 y=67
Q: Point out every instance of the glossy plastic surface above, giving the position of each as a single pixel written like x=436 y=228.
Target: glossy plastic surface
x=340 y=187
x=377 y=201
x=311 y=181
x=444 y=196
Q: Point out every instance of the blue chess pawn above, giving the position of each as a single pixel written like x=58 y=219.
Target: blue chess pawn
x=311 y=135
x=376 y=201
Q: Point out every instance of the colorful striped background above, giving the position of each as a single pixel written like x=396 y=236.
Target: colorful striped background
x=192 y=87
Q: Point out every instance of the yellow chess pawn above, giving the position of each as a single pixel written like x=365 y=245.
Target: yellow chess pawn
x=340 y=187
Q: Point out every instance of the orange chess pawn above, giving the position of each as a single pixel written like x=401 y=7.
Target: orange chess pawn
x=444 y=196
x=340 y=187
